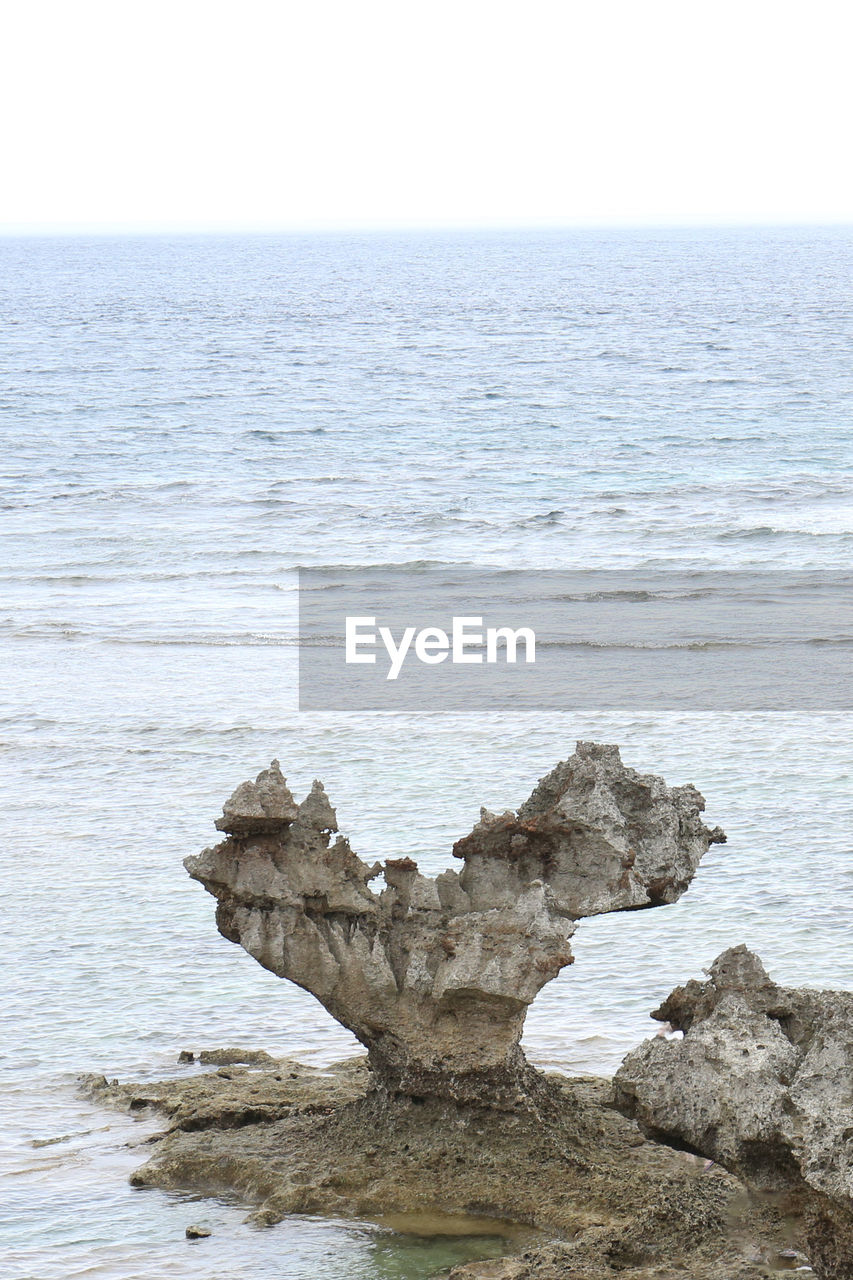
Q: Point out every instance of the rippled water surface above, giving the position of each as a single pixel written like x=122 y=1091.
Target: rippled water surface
x=185 y=422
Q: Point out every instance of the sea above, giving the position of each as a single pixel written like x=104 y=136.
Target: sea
x=187 y=421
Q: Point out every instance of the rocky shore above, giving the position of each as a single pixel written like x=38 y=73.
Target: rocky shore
x=601 y=1200
x=722 y=1152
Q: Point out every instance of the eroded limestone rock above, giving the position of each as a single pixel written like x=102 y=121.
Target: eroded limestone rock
x=434 y=976
x=260 y=807
x=603 y=837
x=762 y=1082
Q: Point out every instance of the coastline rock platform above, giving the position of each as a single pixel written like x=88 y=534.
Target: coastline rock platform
x=600 y=1199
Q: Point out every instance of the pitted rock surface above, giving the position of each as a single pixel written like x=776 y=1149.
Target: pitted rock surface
x=434 y=976
x=762 y=1082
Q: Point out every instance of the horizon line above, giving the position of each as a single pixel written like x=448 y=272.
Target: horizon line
x=23 y=231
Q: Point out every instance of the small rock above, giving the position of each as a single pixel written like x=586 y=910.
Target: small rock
x=234 y=1057
x=197 y=1233
x=792 y=1260
x=186 y=1056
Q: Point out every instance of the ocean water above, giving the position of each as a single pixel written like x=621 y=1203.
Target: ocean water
x=185 y=422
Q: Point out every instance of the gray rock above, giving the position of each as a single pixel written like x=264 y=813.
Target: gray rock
x=229 y=1057
x=605 y=838
x=762 y=1082
x=434 y=976
x=264 y=806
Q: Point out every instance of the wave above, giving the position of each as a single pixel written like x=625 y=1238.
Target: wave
x=795 y=529
x=335 y=641
x=249 y=640
x=546 y=518
x=762 y=642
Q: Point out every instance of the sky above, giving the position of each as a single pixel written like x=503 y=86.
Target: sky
x=189 y=116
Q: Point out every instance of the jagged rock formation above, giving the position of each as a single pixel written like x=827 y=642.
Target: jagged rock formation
x=762 y=1082
x=434 y=976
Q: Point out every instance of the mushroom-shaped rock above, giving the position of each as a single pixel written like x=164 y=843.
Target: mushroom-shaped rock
x=434 y=976
x=605 y=838
x=260 y=807
x=762 y=1083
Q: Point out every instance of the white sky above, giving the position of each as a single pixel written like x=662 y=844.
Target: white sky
x=204 y=115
